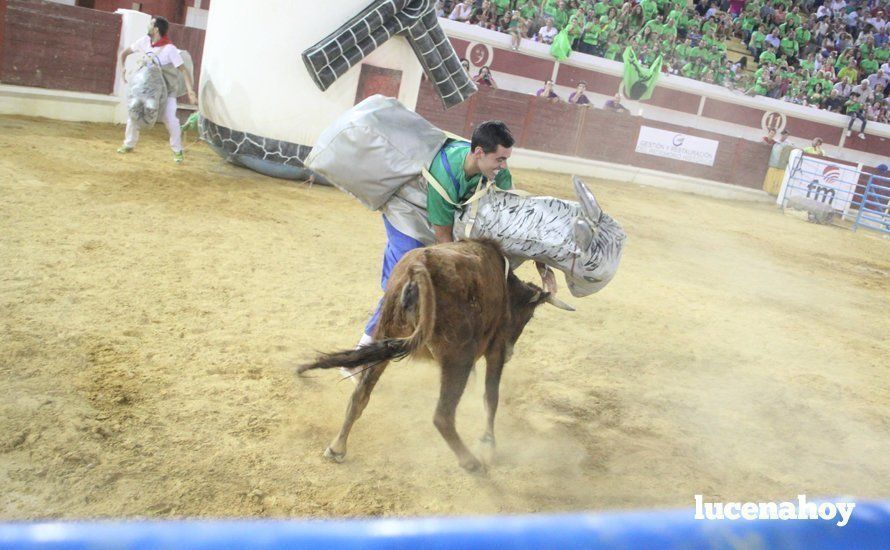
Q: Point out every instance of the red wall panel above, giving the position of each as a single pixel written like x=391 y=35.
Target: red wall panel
x=676 y=100
x=191 y=40
x=730 y=112
x=49 y=45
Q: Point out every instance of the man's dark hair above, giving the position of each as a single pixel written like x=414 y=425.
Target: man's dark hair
x=490 y=134
x=162 y=25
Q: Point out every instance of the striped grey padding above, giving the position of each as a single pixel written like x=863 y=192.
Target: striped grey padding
x=273 y=157
x=335 y=54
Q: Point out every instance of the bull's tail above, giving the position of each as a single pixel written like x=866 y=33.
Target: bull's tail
x=416 y=300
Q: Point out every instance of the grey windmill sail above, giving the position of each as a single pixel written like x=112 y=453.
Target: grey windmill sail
x=577 y=238
x=335 y=54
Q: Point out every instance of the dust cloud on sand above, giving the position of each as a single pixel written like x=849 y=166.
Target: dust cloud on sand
x=151 y=315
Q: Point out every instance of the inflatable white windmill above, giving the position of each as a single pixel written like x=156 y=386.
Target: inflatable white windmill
x=263 y=107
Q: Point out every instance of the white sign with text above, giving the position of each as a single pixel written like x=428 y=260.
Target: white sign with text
x=673 y=145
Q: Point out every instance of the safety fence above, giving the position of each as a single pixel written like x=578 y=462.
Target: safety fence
x=835 y=192
x=868 y=527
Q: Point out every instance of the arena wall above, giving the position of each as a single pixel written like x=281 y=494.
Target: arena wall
x=54 y=46
x=594 y=134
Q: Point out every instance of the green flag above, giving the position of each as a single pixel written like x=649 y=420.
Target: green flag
x=562 y=45
x=639 y=81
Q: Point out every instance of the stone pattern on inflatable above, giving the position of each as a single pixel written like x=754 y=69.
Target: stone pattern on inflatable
x=268 y=156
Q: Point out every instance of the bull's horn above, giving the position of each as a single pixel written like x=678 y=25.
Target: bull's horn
x=589 y=205
x=583 y=233
x=554 y=301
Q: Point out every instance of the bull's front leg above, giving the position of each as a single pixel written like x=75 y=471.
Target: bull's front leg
x=494 y=366
x=454 y=380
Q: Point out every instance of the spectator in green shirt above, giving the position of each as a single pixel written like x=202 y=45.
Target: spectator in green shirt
x=768 y=56
x=789 y=48
x=856 y=110
x=850 y=71
x=650 y=8
x=758 y=39
x=683 y=51
x=692 y=69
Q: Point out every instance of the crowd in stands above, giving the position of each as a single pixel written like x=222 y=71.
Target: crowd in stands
x=830 y=54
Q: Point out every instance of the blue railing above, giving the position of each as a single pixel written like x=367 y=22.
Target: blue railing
x=837 y=186
x=868 y=527
x=873 y=210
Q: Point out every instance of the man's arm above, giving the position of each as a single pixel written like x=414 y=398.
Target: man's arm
x=188 y=84
x=124 y=55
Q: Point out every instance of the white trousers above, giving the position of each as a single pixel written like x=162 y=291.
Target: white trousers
x=131 y=136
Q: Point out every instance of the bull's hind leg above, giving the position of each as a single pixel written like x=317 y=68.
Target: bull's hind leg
x=336 y=451
x=494 y=366
x=454 y=381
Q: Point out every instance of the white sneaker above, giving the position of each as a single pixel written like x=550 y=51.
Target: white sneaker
x=353 y=373
x=861 y=135
x=847 y=133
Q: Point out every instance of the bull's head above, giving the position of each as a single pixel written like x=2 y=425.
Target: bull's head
x=599 y=242
x=335 y=54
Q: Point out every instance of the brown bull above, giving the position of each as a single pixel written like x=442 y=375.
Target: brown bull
x=453 y=302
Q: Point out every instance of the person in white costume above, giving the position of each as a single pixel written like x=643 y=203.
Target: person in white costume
x=157 y=46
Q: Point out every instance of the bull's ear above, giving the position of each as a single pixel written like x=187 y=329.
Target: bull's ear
x=536 y=297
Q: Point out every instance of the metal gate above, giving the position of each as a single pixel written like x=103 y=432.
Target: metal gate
x=855 y=198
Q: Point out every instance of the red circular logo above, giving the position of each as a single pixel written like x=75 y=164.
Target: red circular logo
x=479 y=55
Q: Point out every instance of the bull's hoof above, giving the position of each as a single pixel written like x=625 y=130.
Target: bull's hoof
x=334 y=456
x=472 y=465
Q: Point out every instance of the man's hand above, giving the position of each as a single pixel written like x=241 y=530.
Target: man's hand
x=193 y=99
x=548 y=278
x=124 y=55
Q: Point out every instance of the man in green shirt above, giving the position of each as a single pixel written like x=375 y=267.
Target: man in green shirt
x=459 y=169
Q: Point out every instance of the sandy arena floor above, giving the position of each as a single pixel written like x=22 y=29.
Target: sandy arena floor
x=151 y=315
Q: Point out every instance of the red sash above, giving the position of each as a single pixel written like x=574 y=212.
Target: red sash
x=164 y=40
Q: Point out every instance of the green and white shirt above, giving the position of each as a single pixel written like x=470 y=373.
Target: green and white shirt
x=440 y=212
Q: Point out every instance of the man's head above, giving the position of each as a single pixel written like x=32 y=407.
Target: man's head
x=817 y=142
x=771 y=133
x=158 y=27
x=582 y=87
x=491 y=146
